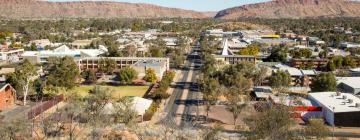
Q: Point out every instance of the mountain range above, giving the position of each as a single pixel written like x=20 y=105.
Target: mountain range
x=36 y=9
x=294 y=9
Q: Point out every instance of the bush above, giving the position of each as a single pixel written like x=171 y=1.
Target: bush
x=151 y=111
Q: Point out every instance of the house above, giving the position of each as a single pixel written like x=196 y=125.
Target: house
x=11 y=55
x=349 y=85
x=261 y=93
x=339 y=109
x=81 y=43
x=7 y=96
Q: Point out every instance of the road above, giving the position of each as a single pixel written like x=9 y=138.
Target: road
x=182 y=105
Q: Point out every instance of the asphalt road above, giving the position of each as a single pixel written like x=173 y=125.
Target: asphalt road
x=182 y=105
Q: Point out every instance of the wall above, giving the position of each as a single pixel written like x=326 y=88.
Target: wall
x=7 y=98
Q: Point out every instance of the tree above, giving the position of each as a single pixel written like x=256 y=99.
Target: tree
x=33 y=47
x=89 y=76
x=127 y=75
x=130 y=51
x=280 y=80
x=324 y=82
x=125 y=112
x=274 y=123
x=330 y=66
x=150 y=75
x=316 y=128
x=252 y=49
x=107 y=65
x=278 y=54
x=62 y=72
x=237 y=96
x=177 y=58
x=260 y=75
x=22 y=78
x=338 y=61
x=349 y=62
x=210 y=88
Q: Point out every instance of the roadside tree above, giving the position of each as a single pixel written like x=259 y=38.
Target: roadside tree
x=150 y=75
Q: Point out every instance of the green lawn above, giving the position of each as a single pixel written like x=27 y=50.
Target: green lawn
x=117 y=91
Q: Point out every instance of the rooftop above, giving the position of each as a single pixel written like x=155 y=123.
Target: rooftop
x=350 y=81
x=339 y=102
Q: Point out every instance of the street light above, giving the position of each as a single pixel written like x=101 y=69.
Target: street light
x=333 y=125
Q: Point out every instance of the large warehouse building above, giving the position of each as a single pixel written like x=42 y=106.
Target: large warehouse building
x=339 y=109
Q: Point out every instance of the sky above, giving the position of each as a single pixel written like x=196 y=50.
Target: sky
x=198 y=5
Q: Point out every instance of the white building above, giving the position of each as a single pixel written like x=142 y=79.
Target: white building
x=349 y=85
x=339 y=109
x=62 y=51
x=11 y=55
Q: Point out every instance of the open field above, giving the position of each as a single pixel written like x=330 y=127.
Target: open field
x=117 y=91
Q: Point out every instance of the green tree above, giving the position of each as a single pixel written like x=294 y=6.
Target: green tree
x=150 y=75
x=330 y=66
x=280 y=80
x=89 y=76
x=278 y=54
x=324 y=82
x=338 y=61
x=107 y=65
x=127 y=75
x=63 y=72
x=349 y=62
x=23 y=78
x=210 y=88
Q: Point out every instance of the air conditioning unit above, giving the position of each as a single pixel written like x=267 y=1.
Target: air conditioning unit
x=357 y=105
x=338 y=94
x=344 y=97
x=350 y=101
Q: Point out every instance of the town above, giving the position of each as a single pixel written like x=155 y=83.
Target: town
x=180 y=78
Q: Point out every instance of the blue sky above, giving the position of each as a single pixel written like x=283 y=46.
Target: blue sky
x=198 y=5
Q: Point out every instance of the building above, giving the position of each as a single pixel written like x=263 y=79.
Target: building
x=346 y=45
x=233 y=59
x=62 y=51
x=339 y=109
x=316 y=63
x=157 y=65
x=301 y=77
x=140 y=64
x=41 y=43
x=298 y=77
x=7 y=96
x=261 y=93
x=81 y=43
x=349 y=85
x=11 y=55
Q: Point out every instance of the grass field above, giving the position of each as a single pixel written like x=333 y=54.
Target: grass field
x=117 y=91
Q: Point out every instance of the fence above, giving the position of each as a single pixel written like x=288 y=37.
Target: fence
x=37 y=110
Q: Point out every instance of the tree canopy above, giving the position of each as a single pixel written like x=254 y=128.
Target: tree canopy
x=62 y=72
x=324 y=82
